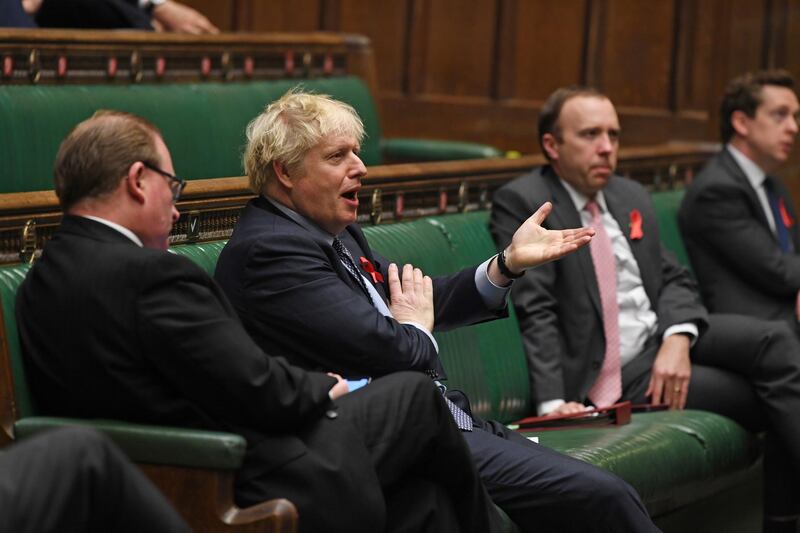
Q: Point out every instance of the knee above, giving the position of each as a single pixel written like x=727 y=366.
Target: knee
x=612 y=492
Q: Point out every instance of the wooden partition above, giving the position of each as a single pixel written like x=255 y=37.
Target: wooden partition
x=30 y=57
x=209 y=208
x=479 y=70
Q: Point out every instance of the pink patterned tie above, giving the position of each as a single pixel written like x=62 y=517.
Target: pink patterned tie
x=607 y=389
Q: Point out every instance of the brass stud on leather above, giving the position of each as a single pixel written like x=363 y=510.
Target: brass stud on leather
x=34 y=66
x=136 y=67
x=376 y=207
x=27 y=251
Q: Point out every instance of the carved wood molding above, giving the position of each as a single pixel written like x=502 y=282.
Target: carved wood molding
x=209 y=208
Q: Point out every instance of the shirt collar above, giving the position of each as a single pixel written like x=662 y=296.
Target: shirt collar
x=580 y=200
x=754 y=174
x=122 y=229
x=304 y=222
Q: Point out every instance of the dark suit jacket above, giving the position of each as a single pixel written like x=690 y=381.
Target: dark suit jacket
x=112 y=330
x=735 y=256
x=296 y=298
x=558 y=304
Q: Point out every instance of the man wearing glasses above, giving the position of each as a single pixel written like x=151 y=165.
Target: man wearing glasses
x=738 y=220
x=112 y=326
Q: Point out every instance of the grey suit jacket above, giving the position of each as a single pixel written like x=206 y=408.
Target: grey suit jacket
x=558 y=304
x=736 y=257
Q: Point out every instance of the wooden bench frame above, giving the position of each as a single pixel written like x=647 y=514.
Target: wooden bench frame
x=209 y=208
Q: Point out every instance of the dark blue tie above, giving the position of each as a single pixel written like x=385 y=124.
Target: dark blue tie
x=782 y=232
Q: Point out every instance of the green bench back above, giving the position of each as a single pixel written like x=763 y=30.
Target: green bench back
x=10 y=279
x=203 y=123
x=667 y=204
x=486 y=361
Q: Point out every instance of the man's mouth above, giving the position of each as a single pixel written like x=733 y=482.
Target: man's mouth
x=350 y=195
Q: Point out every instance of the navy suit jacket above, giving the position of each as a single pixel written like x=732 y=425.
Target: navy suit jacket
x=558 y=304
x=296 y=298
x=735 y=256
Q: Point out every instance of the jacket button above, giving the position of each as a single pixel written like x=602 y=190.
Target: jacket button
x=331 y=414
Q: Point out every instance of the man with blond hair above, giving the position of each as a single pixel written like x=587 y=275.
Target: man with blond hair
x=114 y=327
x=300 y=274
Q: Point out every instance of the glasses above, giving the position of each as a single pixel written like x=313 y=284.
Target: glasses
x=176 y=184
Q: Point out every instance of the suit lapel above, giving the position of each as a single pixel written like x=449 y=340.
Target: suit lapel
x=564 y=216
x=648 y=269
x=736 y=172
x=333 y=257
x=355 y=241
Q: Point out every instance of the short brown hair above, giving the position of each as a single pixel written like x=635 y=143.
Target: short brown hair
x=551 y=109
x=743 y=93
x=98 y=152
x=291 y=126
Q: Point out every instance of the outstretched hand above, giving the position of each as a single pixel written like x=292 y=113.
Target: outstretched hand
x=533 y=245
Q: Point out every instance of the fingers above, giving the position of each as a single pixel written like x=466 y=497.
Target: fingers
x=656 y=389
x=427 y=288
x=541 y=213
x=395 y=289
x=408 y=276
x=418 y=281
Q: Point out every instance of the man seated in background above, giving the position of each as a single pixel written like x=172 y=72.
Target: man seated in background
x=75 y=480
x=113 y=326
x=621 y=320
x=738 y=220
x=304 y=281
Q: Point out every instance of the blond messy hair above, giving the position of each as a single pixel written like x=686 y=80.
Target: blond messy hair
x=290 y=127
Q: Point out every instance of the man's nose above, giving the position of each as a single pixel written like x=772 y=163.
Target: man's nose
x=359 y=168
x=605 y=144
x=175 y=214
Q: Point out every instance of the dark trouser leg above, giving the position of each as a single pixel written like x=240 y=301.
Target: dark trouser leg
x=543 y=490
x=419 y=506
x=409 y=430
x=392 y=431
x=766 y=355
x=75 y=480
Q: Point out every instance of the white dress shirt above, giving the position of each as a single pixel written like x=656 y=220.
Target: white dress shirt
x=122 y=229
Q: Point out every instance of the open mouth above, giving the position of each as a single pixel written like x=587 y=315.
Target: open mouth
x=351 y=195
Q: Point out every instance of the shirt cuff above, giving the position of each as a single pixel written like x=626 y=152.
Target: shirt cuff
x=424 y=330
x=687 y=327
x=549 y=406
x=494 y=296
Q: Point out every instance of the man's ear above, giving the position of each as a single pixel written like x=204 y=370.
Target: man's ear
x=282 y=171
x=133 y=182
x=549 y=144
x=740 y=122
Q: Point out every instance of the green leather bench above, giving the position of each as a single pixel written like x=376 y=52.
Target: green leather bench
x=211 y=115
x=694 y=470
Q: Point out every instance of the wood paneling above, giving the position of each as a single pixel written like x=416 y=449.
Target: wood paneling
x=479 y=70
x=629 y=46
x=528 y=29
x=456 y=49
x=385 y=23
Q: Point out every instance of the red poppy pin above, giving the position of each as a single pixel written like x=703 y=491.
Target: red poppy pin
x=367 y=265
x=788 y=221
x=636 y=225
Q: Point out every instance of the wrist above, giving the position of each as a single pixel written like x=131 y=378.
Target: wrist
x=506 y=266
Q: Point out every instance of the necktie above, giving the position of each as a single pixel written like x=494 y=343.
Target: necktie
x=781 y=231
x=463 y=420
x=350 y=265
x=607 y=388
